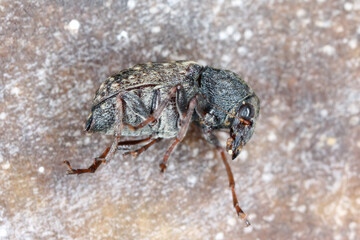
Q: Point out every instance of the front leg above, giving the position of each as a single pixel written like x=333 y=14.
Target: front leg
x=211 y=138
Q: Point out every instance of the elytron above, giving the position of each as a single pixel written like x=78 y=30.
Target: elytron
x=155 y=101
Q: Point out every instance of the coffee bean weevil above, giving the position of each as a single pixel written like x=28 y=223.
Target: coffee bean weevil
x=152 y=101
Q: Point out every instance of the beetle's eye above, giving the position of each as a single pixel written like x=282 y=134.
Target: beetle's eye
x=246 y=111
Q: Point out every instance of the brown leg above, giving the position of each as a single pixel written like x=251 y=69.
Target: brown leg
x=97 y=162
x=181 y=134
x=110 y=151
x=239 y=211
x=137 y=152
x=124 y=144
x=159 y=110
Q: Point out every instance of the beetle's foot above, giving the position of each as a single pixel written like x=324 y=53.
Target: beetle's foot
x=135 y=154
x=162 y=167
x=71 y=170
x=91 y=169
x=244 y=218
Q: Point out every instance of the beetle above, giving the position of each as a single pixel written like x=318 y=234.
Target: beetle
x=155 y=101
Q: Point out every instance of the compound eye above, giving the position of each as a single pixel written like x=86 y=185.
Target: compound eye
x=246 y=111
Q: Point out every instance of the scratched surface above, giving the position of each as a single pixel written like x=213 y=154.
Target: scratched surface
x=298 y=178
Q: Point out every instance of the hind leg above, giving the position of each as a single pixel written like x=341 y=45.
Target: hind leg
x=110 y=151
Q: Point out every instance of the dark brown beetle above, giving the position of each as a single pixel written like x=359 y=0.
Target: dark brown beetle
x=153 y=101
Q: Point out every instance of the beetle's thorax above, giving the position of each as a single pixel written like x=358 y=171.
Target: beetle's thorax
x=223 y=91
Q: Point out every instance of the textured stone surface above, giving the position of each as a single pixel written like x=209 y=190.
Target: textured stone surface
x=298 y=178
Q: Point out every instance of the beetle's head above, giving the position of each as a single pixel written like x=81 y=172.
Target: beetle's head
x=242 y=124
x=102 y=117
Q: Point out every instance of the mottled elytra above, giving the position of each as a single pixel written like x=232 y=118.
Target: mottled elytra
x=153 y=101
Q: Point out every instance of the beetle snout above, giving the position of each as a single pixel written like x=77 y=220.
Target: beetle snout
x=234 y=145
x=89 y=123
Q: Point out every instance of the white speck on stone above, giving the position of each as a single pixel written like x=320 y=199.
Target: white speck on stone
x=248 y=229
x=248 y=34
x=165 y=52
x=231 y=221
x=87 y=140
x=269 y=218
x=108 y=4
x=6 y=165
x=242 y=51
x=275 y=102
x=230 y=30
x=290 y=147
x=272 y=137
x=339 y=29
x=131 y=4
x=15 y=91
x=354 y=121
x=320 y=1
x=301 y=208
x=236 y=36
x=308 y=183
x=1 y=158
x=323 y=24
x=348 y=6
x=226 y=58
x=300 y=13
x=41 y=169
x=77 y=133
x=324 y=113
x=73 y=26
x=223 y=35
x=156 y=29
x=358 y=201
x=267 y=177
x=328 y=50
x=3 y=115
x=243 y=155
x=123 y=36
x=353 y=109
x=352 y=225
x=219 y=236
x=331 y=141
x=191 y=180
x=153 y=10
x=353 y=43
x=3 y=232
x=295 y=197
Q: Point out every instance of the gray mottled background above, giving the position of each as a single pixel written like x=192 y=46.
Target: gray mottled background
x=298 y=178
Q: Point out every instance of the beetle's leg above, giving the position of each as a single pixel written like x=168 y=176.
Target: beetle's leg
x=124 y=144
x=154 y=116
x=181 y=102
x=97 y=162
x=155 y=102
x=137 y=152
x=210 y=137
x=237 y=207
x=110 y=151
x=181 y=134
x=133 y=145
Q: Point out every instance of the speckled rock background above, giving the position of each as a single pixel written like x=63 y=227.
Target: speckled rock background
x=298 y=178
